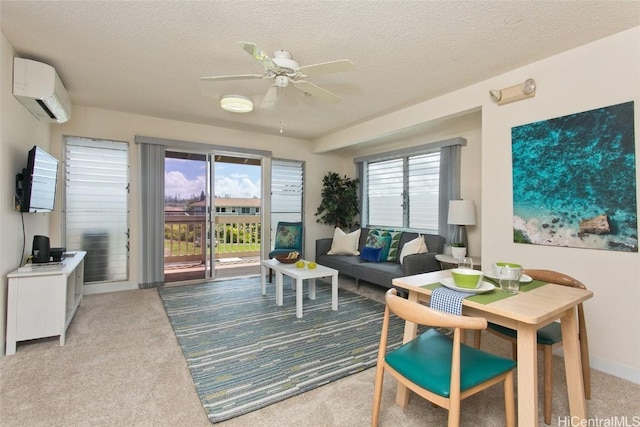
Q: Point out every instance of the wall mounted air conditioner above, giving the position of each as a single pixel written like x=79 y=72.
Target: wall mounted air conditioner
x=38 y=87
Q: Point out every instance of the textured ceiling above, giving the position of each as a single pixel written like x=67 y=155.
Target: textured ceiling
x=147 y=57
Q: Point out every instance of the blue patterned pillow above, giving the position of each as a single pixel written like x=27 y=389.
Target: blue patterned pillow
x=288 y=236
x=380 y=239
x=370 y=254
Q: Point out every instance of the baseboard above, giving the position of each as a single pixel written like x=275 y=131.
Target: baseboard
x=101 y=288
x=610 y=367
x=619 y=370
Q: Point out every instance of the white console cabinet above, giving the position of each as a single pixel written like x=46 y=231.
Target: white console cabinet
x=42 y=300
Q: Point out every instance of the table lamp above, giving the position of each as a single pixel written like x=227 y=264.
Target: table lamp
x=461 y=213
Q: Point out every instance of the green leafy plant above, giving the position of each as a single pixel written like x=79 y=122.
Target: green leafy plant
x=458 y=245
x=339 y=205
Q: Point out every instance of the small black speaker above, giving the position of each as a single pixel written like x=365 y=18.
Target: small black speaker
x=57 y=253
x=41 y=249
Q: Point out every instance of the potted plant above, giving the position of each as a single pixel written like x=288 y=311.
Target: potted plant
x=339 y=205
x=458 y=250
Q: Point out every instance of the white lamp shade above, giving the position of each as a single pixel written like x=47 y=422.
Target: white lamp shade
x=236 y=103
x=462 y=212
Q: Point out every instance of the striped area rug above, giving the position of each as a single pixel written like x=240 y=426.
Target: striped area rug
x=244 y=352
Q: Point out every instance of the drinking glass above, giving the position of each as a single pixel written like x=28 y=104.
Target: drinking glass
x=510 y=279
x=465 y=262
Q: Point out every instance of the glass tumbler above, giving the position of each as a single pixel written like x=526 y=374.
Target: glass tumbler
x=465 y=262
x=510 y=279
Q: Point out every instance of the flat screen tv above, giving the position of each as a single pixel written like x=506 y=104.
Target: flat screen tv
x=36 y=186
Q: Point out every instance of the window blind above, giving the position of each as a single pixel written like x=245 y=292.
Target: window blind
x=385 y=185
x=423 y=189
x=287 y=189
x=96 y=206
x=404 y=192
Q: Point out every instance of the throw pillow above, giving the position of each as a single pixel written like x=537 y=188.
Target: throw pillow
x=377 y=239
x=371 y=254
x=288 y=236
x=395 y=243
x=415 y=246
x=345 y=244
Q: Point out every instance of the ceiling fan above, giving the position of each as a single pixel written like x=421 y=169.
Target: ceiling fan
x=284 y=70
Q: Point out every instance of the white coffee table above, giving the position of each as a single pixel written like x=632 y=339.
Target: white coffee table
x=299 y=274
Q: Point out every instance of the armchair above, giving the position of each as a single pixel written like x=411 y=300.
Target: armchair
x=289 y=237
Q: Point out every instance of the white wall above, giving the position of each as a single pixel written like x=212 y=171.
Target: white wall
x=19 y=132
x=602 y=73
x=599 y=74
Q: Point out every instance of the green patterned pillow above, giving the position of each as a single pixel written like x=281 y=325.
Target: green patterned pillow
x=395 y=243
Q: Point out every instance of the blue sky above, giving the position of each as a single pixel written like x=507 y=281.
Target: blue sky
x=188 y=177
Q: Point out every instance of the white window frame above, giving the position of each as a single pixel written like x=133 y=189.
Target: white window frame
x=401 y=199
x=448 y=184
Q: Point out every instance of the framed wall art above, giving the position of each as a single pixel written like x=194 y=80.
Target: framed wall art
x=574 y=180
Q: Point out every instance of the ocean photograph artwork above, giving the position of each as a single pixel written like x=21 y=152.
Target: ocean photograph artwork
x=574 y=180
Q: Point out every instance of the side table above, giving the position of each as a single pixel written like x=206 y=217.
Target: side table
x=448 y=261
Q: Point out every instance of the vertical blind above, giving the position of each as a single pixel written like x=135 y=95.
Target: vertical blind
x=287 y=185
x=152 y=158
x=96 y=206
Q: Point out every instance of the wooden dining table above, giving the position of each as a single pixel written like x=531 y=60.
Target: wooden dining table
x=526 y=312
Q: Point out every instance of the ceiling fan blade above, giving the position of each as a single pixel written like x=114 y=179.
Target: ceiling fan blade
x=327 y=67
x=318 y=92
x=258 y=54
x=270 y=98
x=234 y=77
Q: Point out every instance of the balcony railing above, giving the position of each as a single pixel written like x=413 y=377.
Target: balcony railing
x=185 y=237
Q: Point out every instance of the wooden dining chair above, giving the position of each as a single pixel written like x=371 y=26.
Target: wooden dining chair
x=550 y=337
x=437 y=367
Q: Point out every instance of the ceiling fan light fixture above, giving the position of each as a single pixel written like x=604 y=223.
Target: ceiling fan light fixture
x=236 y=103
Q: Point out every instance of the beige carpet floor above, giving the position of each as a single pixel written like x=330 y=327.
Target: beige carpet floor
x=122 y=366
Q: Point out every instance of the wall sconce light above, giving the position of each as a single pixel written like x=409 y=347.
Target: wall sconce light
x=236 y=103
x=514 y=93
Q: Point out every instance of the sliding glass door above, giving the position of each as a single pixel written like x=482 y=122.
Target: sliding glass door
x=212 y=215
x=236 y=214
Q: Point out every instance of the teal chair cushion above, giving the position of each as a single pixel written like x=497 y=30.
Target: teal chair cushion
x=549 y=335
x=426 y=361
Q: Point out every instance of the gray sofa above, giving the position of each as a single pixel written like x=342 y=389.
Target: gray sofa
x=381 y=273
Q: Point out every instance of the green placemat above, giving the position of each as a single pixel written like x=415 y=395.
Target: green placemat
x=496 y=294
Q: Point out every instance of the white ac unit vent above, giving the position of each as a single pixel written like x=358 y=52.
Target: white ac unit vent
x=38 y=87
